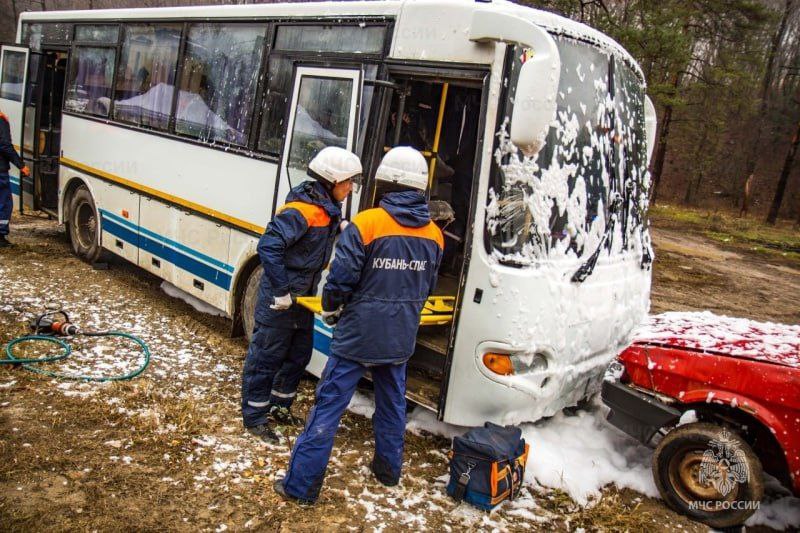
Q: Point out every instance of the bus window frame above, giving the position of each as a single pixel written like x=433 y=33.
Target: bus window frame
x=250 y=149
x=179 y=78
x=323 y=59
x=121 y=35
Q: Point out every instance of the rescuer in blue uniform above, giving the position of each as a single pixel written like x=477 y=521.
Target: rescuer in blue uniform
x=384 y=269
x=8 y=156
x=294 y=250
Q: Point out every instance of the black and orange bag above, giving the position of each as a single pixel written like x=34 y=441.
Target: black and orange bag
x=487 y=465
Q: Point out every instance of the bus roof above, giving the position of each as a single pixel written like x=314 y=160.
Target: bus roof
x=420 y=34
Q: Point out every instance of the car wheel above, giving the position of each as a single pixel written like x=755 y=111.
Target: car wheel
x=249 y=301
x=709 y=473
x=83 y=226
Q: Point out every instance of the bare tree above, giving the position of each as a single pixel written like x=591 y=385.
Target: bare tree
x=766 y=84
x=788 y=164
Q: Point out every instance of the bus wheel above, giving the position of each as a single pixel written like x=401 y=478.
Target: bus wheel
x=84 y=226
x=249 y=301
x=709 y=474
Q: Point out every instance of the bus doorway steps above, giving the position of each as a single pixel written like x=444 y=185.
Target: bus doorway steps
x=423 y=389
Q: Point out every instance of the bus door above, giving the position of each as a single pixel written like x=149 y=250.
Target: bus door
x=13 y=76
x=42 y=134
x=440 y=114
x=323 y=112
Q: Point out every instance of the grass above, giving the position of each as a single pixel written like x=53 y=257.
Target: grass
x=783 y=239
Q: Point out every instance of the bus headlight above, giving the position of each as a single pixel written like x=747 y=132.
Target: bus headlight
x=514 y=364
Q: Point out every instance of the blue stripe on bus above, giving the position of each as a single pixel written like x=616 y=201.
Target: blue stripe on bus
x=168 y=242
x=322 y=337
x=14 y=183
x=184 y=262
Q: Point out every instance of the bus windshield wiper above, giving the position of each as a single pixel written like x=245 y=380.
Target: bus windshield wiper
x=587 y=267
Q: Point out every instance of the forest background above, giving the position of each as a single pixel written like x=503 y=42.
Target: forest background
x=724 y=75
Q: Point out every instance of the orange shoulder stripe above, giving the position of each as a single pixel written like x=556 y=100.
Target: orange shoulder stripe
x=376 y=223
x=315 y=215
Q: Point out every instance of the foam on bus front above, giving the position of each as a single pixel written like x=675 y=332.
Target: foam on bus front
x=650 y=124
x=537 y=86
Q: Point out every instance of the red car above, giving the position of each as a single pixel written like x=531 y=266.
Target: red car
x=720 y=399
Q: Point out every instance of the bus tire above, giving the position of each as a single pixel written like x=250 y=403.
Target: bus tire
x=83 y=226
x=678 y=465
x=249 y=300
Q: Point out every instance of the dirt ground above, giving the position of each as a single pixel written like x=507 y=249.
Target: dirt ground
x=167 y=452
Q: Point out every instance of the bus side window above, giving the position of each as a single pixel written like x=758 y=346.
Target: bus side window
x=90 y=78
x=279 y=85
x=220 y=71
x=146 y=76
x=332 y=41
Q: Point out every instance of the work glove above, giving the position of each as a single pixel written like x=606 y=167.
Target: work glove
x=25 y=171
x=331 y=317
x=281 y=303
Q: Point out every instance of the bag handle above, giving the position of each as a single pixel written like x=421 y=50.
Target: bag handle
x=463 y=481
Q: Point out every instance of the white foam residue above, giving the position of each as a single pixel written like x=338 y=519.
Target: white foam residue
x=736 y=337
x=196 y=303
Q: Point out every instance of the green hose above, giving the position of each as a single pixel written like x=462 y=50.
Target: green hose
x=29 y=364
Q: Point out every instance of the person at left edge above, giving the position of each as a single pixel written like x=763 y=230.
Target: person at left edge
x=294 y=249
x=8 y=156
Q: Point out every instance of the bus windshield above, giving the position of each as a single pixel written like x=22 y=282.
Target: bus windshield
x=592 y=168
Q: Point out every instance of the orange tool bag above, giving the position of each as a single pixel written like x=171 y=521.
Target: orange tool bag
x=487 y=465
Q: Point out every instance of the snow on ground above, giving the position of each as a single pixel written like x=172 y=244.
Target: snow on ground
x=577 y=453
x=779 y=510
x=580 y=454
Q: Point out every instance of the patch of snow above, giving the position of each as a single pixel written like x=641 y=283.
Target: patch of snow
x=736 y=337
x=688 y=417
x=779 y=509
x=361 y=404
x=578 y=454
x=196 y=303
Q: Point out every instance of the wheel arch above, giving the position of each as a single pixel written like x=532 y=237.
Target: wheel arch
x=248 y=265
x=73 y=184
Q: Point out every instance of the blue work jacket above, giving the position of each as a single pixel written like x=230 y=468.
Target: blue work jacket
x=294 y=250
x=384 y=269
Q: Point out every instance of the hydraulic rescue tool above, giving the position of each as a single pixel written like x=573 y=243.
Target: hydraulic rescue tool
x=55 y=326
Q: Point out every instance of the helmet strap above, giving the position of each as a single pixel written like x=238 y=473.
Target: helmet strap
x=325 y=183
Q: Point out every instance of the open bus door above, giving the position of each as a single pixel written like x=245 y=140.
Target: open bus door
x=41 y=141
x=323 y=112
x=13 y=79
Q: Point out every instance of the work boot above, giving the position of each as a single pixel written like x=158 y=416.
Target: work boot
x=283 y=416
x=265 y=433
x=278 y=487
x=382 y=475
x=4 y=242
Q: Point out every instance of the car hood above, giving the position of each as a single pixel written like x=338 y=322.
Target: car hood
x=734 y=337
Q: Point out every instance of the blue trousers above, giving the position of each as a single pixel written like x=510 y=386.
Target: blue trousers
x=276 y=360
x=6 y=203
x=312 y=450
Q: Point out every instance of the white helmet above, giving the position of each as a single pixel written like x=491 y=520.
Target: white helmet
x=334 y=165
x=405 y=166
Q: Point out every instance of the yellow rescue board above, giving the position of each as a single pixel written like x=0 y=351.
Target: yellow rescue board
x=438 y=310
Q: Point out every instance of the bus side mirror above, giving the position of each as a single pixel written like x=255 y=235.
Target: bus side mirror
x=650 y=125
x=537 y=86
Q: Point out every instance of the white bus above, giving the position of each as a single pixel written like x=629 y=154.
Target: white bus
x=169 y=137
